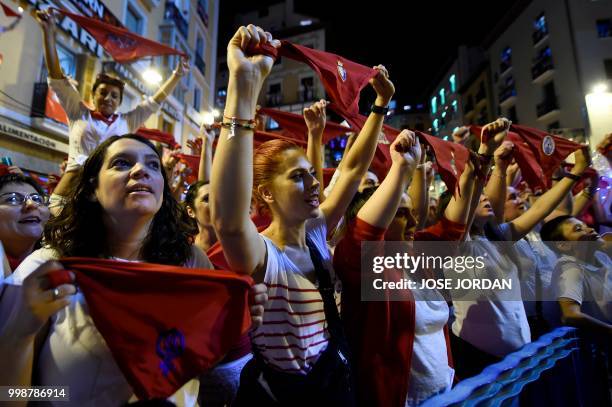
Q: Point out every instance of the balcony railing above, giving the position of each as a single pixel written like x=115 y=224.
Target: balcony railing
x=538 y=35
x=506 y=93
x=468 y=107
x=200 y=64
x=273 y=99
x=504 y=66
x=172 y=13
x=541 y=66
x=547 y=106
x=306 y=94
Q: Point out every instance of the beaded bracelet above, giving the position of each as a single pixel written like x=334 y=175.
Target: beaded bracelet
x=234 y=124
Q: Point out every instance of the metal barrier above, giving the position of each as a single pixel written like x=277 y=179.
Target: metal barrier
x=500 y=384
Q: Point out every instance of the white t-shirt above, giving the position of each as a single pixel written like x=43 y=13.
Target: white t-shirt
x=294 y=330
x=75 y=354
x=85 y=133
x=587 y=284
x=430 y=373
x=497 y=327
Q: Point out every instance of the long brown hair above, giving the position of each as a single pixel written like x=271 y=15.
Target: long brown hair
x=79 y=230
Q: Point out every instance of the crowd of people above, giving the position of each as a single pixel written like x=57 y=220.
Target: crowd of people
x=264 y=211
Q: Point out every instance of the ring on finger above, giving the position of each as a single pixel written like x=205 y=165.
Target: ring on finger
x=56 y=293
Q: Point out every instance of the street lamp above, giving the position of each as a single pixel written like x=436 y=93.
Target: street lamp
x=150 y=75
x=599 y=108
x=208 y=118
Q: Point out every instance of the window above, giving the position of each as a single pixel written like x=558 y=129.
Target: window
x=455 y=106
x=306 y=89
x=506 y=60
x=434 y=105
x=199 y=48
x=67 y=61
x=442 y=97
x=436 y=124
x=197 y=94
x=274 y=96
x=540 y=24
x=453 y=83
x=133 y=20
x=604 y=28
x=167 y=127
x=608 y=67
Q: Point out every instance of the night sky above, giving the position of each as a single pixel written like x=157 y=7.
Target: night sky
x=416 y=41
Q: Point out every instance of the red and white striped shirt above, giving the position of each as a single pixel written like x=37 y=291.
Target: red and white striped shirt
x=294 y=331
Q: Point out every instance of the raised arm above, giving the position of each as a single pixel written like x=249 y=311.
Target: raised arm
x=315 y=118
x=357 y=161
x=182 y=68
x=458 y=208
x=549 y=200
x=232 y=171
x=380 y=209
x=47 y=22
x=496 y=189
x=208 y=138
x=494 y=133
x=419 y=192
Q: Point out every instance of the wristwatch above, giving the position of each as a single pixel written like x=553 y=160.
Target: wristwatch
x=379 y=109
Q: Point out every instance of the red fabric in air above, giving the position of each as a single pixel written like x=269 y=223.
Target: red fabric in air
x=551 y=160
x=343 y=79
x=163 y=324
x=4 y=170
x=193 y=162
x=121 y=44
x=8 y=11
x=296 y=125
x=526 y=159
x=263 y=136
x=158 y=135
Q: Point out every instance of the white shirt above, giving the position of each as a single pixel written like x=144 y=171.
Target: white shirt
x=497 y=327
x=85 y=133
x=294 y=330
x=430 y=373
x=590 y=285
x=75 y=354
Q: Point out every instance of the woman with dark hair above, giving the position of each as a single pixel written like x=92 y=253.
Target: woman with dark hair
x=88 y=128
x=23 y=214
x=300 y=355
x=122 y=209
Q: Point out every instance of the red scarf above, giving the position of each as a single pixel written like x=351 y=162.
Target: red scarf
x=99 y=116
x=549 y=150
x=295 y=125
x=8 y=11
x=163 y=324
x=158 y=135
x=120 y=43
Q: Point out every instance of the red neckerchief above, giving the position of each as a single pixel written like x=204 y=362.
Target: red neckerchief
x=14 y=262
x=99 y=116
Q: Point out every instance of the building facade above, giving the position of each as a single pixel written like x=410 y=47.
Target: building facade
x=36 y=139
x=291 y=85
x=545 y=60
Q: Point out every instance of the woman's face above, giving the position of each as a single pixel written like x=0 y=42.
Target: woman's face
x=294 y=192
x=484 y=210
x=24 y=222
x=201 y=211
x=130 y=182
x=107 y=99
x=514 y=205
x=403 y=225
